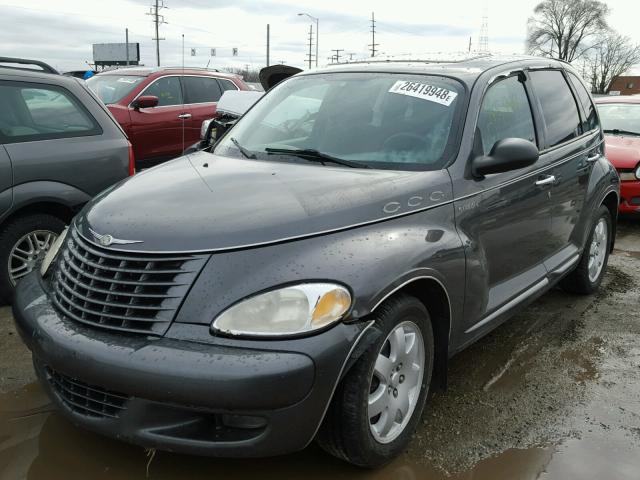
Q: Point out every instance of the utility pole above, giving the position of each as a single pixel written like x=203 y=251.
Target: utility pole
x=373 y=44
x=469 y=45
x=268 y=44
x=310 y=55
x=337 y=54
x=157 y=19
x=126 y=43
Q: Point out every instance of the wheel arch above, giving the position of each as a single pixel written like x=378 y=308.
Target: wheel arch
x=612 y=202
x=57 y=209
x=432 y=293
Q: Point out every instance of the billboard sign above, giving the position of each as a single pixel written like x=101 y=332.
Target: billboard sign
x=115 y=53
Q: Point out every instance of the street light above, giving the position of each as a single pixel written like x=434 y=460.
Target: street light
x=317 y=30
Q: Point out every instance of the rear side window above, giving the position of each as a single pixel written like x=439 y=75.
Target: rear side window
x=505 y=113
x=42 y=112
x=167 y=89
x=591 y=121
x=559 y=108
x=201 y=89
x=227 y=85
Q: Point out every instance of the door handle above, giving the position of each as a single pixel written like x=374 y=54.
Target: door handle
x=184 y=115
x=593 y=157
x=545 y=180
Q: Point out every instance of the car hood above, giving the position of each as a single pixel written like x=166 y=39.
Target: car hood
x=622 y=151
x=204 y=202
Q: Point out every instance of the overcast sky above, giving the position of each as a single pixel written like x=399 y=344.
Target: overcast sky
x=61 y=32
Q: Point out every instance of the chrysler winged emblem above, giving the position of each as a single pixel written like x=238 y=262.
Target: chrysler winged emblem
x=106 y=240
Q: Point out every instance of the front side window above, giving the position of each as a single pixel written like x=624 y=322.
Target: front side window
x=201 y=89
x=113 y=88
x=620 y=118
x=559 y=108
x=36 y=112
x=591 y=122
x=505 y=113
x=393 y=121
x=167 y=89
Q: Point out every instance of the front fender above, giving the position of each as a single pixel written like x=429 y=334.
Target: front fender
x=372 y=261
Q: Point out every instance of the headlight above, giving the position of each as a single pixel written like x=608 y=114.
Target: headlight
x=204 y=128
x=638 y=172
x=53 y=252
x=286 y=311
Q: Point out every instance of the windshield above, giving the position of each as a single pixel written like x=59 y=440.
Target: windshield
x=393 y=121
x=113 y=88
x=620 y=116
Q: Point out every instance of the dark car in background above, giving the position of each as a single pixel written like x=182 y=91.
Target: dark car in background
x=311 y=276
x=59 y=146
x=162 y=109
x=620 y=118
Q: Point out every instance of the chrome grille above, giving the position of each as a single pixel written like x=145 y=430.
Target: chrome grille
x=132 y=292
x=86 y=399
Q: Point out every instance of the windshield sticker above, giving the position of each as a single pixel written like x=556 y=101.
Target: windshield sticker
x=425 y=91
x=126 y=80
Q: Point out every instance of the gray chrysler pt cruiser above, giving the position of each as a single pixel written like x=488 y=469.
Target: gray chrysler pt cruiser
x=312 y=275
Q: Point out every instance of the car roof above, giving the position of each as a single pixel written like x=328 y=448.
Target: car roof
x=466 y=68
x=159 y=71
x=618 y=99
x=26 y=75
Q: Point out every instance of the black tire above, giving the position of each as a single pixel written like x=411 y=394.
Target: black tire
x=578 y=280
x=345 y=432
x=11 y=233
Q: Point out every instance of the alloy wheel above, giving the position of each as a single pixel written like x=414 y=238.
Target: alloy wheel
x=28 y=253
x=396 y=382
x=598 y=249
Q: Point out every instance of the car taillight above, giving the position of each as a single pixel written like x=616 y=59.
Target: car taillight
x=132 y=161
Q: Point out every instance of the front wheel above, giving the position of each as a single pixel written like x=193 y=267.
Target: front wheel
x=379 y=403
x=588 y=275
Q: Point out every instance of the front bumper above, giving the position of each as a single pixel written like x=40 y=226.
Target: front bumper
x=630 y=197
x=187 y=391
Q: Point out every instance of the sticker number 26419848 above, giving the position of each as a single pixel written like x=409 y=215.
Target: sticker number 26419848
x=432 y=93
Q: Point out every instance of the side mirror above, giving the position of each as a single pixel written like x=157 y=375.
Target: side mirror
x=145 y=101
x=505 y=155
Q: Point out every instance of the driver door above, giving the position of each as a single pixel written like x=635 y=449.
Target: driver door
x=507 y=221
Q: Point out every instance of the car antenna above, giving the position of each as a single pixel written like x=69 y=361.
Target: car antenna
x=183 y=91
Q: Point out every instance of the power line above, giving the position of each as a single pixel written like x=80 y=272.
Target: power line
x=158 y=19
x=373 y=43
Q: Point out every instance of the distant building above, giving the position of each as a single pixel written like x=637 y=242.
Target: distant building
x=625 y=85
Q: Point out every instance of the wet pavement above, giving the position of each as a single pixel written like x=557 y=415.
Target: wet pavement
x=552 y=394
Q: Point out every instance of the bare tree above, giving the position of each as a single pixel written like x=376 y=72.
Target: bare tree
x=613 y=56
x=565 y=29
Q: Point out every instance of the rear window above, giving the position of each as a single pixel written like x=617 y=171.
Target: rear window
x=42 y=112
x=591 y=121
x=201 y=89
x=113 y=88
x=227 y=85
x=559 y=108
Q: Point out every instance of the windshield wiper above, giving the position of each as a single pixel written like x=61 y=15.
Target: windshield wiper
x=617 y=131
x=243 y=150
x=315 y=156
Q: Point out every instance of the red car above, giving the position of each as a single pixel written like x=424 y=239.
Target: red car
x=620 y=119
x=162 y=109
